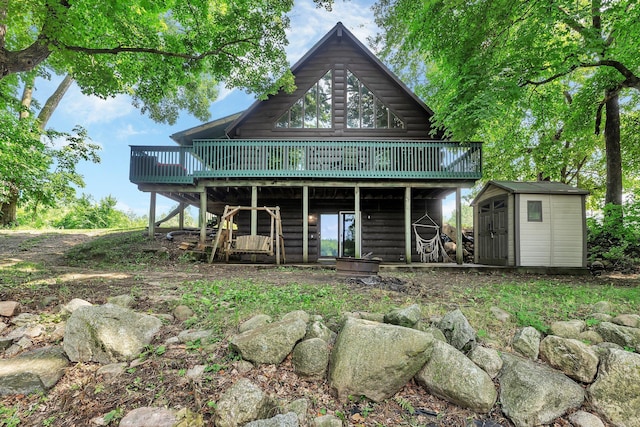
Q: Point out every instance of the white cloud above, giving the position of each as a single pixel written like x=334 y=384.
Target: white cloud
x=129 y=131
x=309 y=24
x=121 y=206
x=223 y=92
x=86 y=110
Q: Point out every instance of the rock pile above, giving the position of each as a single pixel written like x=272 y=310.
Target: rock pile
x=591 y=374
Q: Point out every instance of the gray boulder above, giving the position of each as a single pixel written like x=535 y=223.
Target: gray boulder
x=182 y=313
x=488 y=359
x=576 y=359
x=190 y=335
x=526 y=341
x=375 y=359
x=126 y=300
x=585 y=419
x=406 y=316
x=108 y=333
x=317 y=329
x=500 y=314
x=72 y=306
x=9 y=308
x=327 y=421
x=450 y=375
x=568 y=328
x=458 y=331
x=243 y=402
x=36 y=371
x=297 y=315
x=161 y=417
x=590 y=336
x=287 y=420
x=616 y=392
x=310 y=358
x=269 y=343
x=532 y=394
x=604 y=307
x=624 y=336
x=255 y=322
x=630 y=320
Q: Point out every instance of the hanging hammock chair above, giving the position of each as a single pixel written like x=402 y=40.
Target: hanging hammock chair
x=429 y=249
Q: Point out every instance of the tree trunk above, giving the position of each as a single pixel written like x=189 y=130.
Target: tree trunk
x=53 y=101
x=612 y=148
x=8 y=210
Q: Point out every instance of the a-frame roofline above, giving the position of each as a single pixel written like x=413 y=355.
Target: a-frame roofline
x=341 y=31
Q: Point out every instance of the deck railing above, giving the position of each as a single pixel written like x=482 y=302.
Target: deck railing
x=306 y=159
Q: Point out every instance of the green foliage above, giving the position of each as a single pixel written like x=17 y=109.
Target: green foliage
x=167 y=55
x=84 y=214
x=616 y=236
x=40 y=166
x=9 y=417
x=527 y=78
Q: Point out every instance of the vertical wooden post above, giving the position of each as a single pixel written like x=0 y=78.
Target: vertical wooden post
x=407 y=225
x=152 y=214
x=254 y=213
x=305 y=224
x=183 y=206
x=203 y=216
x=459 y=244
x=358 y=221
x=254 y=216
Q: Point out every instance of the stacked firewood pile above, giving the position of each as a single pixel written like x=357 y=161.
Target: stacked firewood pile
x=450 y=244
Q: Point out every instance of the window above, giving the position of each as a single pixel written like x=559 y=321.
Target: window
x=365 y=110
x=534 y=211
x=313 y=110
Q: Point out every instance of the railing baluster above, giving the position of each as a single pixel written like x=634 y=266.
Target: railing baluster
x=300 y=159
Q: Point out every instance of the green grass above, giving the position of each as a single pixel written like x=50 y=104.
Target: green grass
x=223 y=304
x=114 y=249
x=539 y=303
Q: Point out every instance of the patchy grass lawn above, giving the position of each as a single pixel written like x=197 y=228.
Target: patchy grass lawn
x=43 y=270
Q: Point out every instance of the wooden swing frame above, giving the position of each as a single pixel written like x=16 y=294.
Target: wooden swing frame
x=228 y=244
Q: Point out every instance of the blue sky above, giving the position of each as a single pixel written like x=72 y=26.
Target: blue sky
x=115 y=124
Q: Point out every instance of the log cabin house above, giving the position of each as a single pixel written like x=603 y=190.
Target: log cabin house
x=351 y=153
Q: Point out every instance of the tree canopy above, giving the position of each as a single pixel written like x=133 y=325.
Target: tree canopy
x=167 y=55
x=534 y=79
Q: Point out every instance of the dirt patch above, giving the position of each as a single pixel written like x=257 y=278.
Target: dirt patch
x=161 y=378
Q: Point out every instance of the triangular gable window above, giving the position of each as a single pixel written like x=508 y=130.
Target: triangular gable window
x=313 y=110
x=365 y=110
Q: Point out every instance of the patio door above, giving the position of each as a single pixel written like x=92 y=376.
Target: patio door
x=338 y=234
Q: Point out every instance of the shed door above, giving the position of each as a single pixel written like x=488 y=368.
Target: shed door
x=493 y=243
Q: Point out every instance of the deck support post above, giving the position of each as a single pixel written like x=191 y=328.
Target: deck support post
x=152 y=214
x=305 y=224
x=254 y=213
x=183 y=206
x=254 y=218
x=459 y=243
x=358 y=221
x=407 y=224
x=203 y=216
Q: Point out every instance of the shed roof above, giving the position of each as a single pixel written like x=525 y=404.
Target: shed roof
x=535 y=187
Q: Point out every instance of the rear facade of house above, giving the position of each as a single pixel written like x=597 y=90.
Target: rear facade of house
x=351 y=158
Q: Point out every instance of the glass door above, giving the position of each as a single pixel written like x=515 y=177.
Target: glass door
x=338 y=235
x=347 y=234
x=328 y=235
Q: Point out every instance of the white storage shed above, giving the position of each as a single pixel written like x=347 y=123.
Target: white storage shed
x=530 y=224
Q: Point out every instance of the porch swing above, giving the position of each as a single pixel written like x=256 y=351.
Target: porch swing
x=429 y=249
